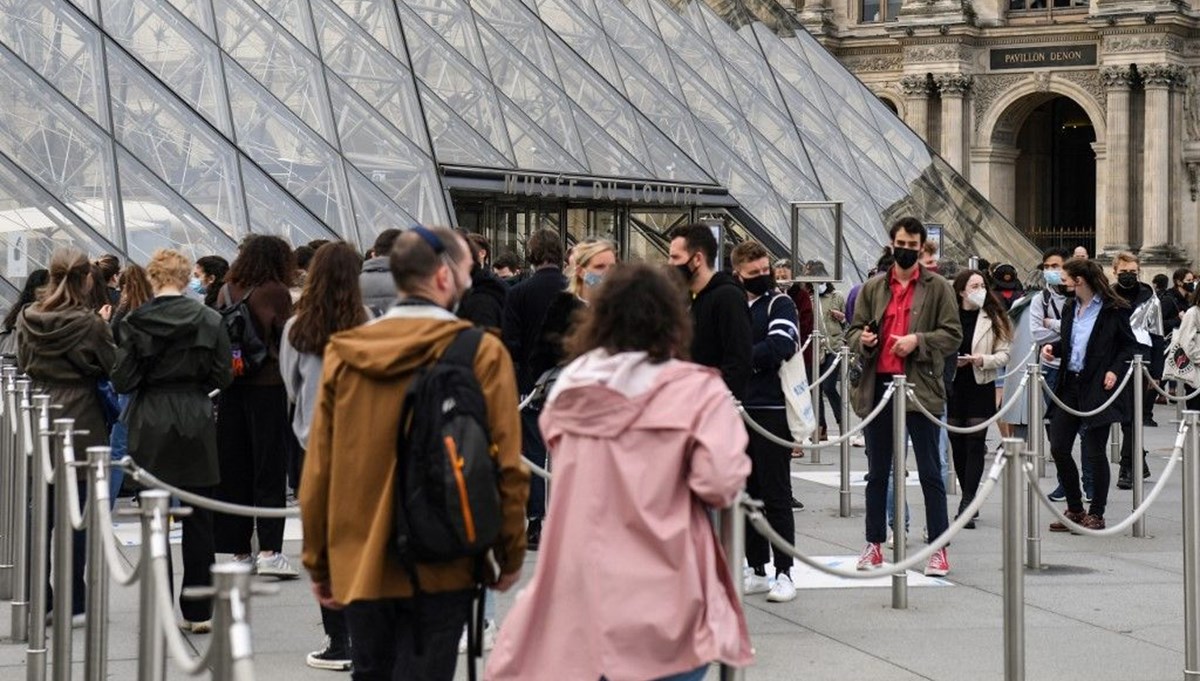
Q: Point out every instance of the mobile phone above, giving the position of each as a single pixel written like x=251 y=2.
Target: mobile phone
x=873 y=327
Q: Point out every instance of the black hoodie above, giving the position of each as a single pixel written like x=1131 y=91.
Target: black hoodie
x=721 y=331
x=483 y=304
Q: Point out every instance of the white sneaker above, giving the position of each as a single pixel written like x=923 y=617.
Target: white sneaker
x=755 y=584
x=202 y=627
x=891 y=542
x=245 y=559
x=275 y=565
x=489 y=637
x=782 y=589
x=858 y=441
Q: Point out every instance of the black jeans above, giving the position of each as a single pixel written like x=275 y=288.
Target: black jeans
x=334 y=624
x=829 y=390
x=197 y=550
x=969 y=452
x=1092 y=441
x=252 y=427
x=771 y=482
x=924 y=436
x=384 y=634
x=78 y=557
x=535 y=450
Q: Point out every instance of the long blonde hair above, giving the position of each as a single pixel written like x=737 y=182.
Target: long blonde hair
x=69 y=274
x=584 y=252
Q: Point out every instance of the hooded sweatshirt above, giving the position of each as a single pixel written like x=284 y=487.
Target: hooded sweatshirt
x=346 y=490
x=721 y=331
x=631 y=583
x=67 y=352
x=173 y=353
x=483 y=303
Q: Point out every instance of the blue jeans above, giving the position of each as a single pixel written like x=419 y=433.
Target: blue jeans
x=924 y=435
x=118 y=440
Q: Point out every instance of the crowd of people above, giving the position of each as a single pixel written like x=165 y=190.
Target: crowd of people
x=299 y=372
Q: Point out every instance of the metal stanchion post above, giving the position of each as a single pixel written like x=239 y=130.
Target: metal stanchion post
x=1014 y=571
x=64 y=556
x=1191 y=546
x=899 y=455
x=844 y=483
x=816 y=388
x=1181 y=390
x=1139 y=455
x=96 y=644
x=733 y=539
x=152 y=658
x=39 y=532
x=8 y=449
x=1037 y=454
x=227 y=578
x=1114 y=443
x=22 y=456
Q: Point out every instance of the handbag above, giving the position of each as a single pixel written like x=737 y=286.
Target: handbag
x=1179 y=367
x=797 y=396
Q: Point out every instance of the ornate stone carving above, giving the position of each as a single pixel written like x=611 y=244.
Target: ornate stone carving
x=873 y=63
x=1162 y=75
x=987 y=88
x=1041 y=80
x=1193 y=173
x=1092 y=82
x=1117 y=76
x=1153 y=42
x=916 y=86
x=953 y=84
x=1191 y=106
x=930 y=54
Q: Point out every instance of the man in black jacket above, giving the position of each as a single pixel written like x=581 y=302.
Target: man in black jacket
x=721 y=335
x=1146 y=321
x=523 y=314
x=483 y=303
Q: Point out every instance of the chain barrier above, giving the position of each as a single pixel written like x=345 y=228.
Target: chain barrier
x=834 y=442
x=1120 y=388
x=1115 y=530
x=979 y=427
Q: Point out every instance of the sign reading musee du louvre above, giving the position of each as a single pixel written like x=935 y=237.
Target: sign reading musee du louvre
x=1043 y=57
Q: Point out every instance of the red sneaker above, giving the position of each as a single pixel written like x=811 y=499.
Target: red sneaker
x=872 y=557
x=939 y=565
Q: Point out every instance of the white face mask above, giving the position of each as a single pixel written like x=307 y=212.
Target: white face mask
x=976 y=298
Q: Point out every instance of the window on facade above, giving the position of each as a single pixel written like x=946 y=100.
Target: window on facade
x=1042 y=5
x=874 y=11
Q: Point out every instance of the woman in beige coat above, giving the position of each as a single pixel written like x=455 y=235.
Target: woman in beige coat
x=984 y=351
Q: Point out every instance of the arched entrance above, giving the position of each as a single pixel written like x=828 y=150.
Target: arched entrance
x=1039 y=157
x=1055 y=190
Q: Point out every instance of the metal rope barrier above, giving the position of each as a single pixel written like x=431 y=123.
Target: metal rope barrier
x=837 y=441
x=758 y=520
x=1166 y=395
x=1115 y=530
x=1120 y=388
x=78 y=511
x=837 y=359
x=804 y=346
x=980 y=427
x=1020 y=367
x=537 y=470
x=112 y=553
x=176 y=645
x=146 y=478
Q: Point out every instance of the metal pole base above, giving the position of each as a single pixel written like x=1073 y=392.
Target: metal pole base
x=843 y=504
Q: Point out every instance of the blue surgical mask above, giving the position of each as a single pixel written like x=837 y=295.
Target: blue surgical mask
x=592 y=279
x=197 y=286
x=1053 y=277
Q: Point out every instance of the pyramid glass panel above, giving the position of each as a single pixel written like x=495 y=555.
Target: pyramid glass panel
x=341 y=118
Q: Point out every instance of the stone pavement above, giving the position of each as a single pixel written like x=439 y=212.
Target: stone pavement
x=1102 y=610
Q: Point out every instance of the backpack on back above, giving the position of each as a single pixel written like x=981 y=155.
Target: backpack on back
x=447 y=499
x=248 y=349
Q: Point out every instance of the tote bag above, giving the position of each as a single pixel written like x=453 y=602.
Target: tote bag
x=1179 y=367
x=797 y=398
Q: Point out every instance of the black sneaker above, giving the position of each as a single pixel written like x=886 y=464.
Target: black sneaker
x=533 y=534
x=1150 y=423
x=796 y=504
x=335 y=657
x=1123 y=479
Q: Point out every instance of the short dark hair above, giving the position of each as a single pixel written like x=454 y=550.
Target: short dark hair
x=638 y=308
x=747 y=251
x=1055 y=251
x=544 y=248
x=697 y=238
x=413 y=260
x=1161 y=281
x=910 y=225
x=507 y=260
x=478 y=243
x=316 y=244
x=384 y=242
x=303 y=256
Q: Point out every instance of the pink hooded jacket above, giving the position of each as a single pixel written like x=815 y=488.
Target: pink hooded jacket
x=631 y=583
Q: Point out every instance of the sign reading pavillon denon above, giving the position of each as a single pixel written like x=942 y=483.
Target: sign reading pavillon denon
x=1042 y=57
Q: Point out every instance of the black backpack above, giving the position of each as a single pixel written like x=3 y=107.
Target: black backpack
x=248 y=350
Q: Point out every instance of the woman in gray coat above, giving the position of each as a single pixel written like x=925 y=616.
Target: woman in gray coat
x=173 y=354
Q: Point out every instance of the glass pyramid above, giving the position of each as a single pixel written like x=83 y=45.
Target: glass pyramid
x=133 y=124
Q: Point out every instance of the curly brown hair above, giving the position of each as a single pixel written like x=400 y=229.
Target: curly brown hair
x=638 y=308
x=332 y=300
x=263 y=258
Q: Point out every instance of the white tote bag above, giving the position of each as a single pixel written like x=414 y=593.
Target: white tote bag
x=793 y=377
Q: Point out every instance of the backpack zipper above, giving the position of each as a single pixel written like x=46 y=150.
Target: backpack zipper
x=456 y=464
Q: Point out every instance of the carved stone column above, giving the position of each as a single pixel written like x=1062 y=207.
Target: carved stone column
x=1113 y=234
x=1159 y=80
x=954 y=88
x=916 y=103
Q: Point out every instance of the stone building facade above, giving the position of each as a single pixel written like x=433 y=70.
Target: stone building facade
x=1079 y=121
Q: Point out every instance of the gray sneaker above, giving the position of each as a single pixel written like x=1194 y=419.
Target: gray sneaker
x=275 y=565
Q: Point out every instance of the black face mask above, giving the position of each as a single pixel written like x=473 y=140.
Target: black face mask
x=686 y=271
x=1190 y=287
x=759 y=285
x=1127 y=280
x=905 y=257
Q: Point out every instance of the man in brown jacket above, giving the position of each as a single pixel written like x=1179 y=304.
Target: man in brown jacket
x=905 y=324
x=346 y=490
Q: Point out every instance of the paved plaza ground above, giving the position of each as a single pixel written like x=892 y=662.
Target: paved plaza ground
x=1102 y=610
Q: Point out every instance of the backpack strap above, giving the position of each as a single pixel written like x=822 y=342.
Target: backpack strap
x=463 y=348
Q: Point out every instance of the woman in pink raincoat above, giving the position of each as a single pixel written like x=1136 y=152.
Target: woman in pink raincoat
x=631 y=583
